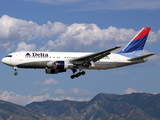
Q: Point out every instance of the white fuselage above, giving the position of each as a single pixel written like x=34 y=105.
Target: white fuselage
x=34 y=59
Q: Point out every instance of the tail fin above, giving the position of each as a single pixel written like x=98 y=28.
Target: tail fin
x=136 y=45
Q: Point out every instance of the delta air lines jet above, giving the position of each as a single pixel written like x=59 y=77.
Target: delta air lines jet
x=56 y=62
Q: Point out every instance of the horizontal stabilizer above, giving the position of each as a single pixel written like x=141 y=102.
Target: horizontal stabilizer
x=141 y=57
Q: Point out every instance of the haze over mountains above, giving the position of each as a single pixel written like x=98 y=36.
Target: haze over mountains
x=135 y=106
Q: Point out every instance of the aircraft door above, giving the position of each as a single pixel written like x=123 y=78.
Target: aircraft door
x=20 y=57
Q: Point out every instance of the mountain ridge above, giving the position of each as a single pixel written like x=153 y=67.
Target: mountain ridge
x=103 y=105
x=142 y=106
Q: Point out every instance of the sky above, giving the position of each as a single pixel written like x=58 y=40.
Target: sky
x=77 y=26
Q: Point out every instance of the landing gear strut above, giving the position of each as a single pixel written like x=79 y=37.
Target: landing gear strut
x=78 y=74
x=15 y=69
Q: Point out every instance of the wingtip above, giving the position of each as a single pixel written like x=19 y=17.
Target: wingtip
x=153 y=53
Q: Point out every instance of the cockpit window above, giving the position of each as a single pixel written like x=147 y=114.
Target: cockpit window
x=9 y=56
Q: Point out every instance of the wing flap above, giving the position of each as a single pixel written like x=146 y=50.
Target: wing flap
x=141 y=57
x=93 y=57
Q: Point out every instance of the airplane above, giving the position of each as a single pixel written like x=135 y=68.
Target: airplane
x=57 y=62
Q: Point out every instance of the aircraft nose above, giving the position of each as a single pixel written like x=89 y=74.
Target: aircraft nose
x=3 y=60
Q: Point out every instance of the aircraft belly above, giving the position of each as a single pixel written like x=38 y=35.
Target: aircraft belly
x=38 y=64
x=98 y=65
x=104 y=65
x=109 y=65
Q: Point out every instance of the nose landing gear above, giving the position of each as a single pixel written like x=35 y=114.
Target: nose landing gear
x=15 y=69
x=16 y=73
x=78 y=74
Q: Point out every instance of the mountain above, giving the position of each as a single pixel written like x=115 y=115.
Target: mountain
x=135 y=106
x=141 y=106
x=10 y=111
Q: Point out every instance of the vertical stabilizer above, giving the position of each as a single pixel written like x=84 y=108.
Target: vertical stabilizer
x=135 y=46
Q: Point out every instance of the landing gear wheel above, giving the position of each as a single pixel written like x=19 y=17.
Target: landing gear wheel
x=15 y=73
x=78 y=74
x=72 y=76
x=83 y=73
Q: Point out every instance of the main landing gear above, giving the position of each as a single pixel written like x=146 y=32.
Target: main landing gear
x=78 y=74
x=15 y=69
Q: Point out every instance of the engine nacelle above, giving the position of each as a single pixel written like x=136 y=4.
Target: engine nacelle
x=58 y=64
x=54 y=71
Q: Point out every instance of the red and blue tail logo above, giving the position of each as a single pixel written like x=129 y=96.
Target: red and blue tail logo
x=137 y=43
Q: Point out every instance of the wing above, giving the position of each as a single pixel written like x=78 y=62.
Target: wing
x=93 y=57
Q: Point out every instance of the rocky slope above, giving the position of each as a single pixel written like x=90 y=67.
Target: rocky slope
x=142 y=106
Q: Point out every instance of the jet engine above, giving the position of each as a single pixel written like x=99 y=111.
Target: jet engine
x=58 y=64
